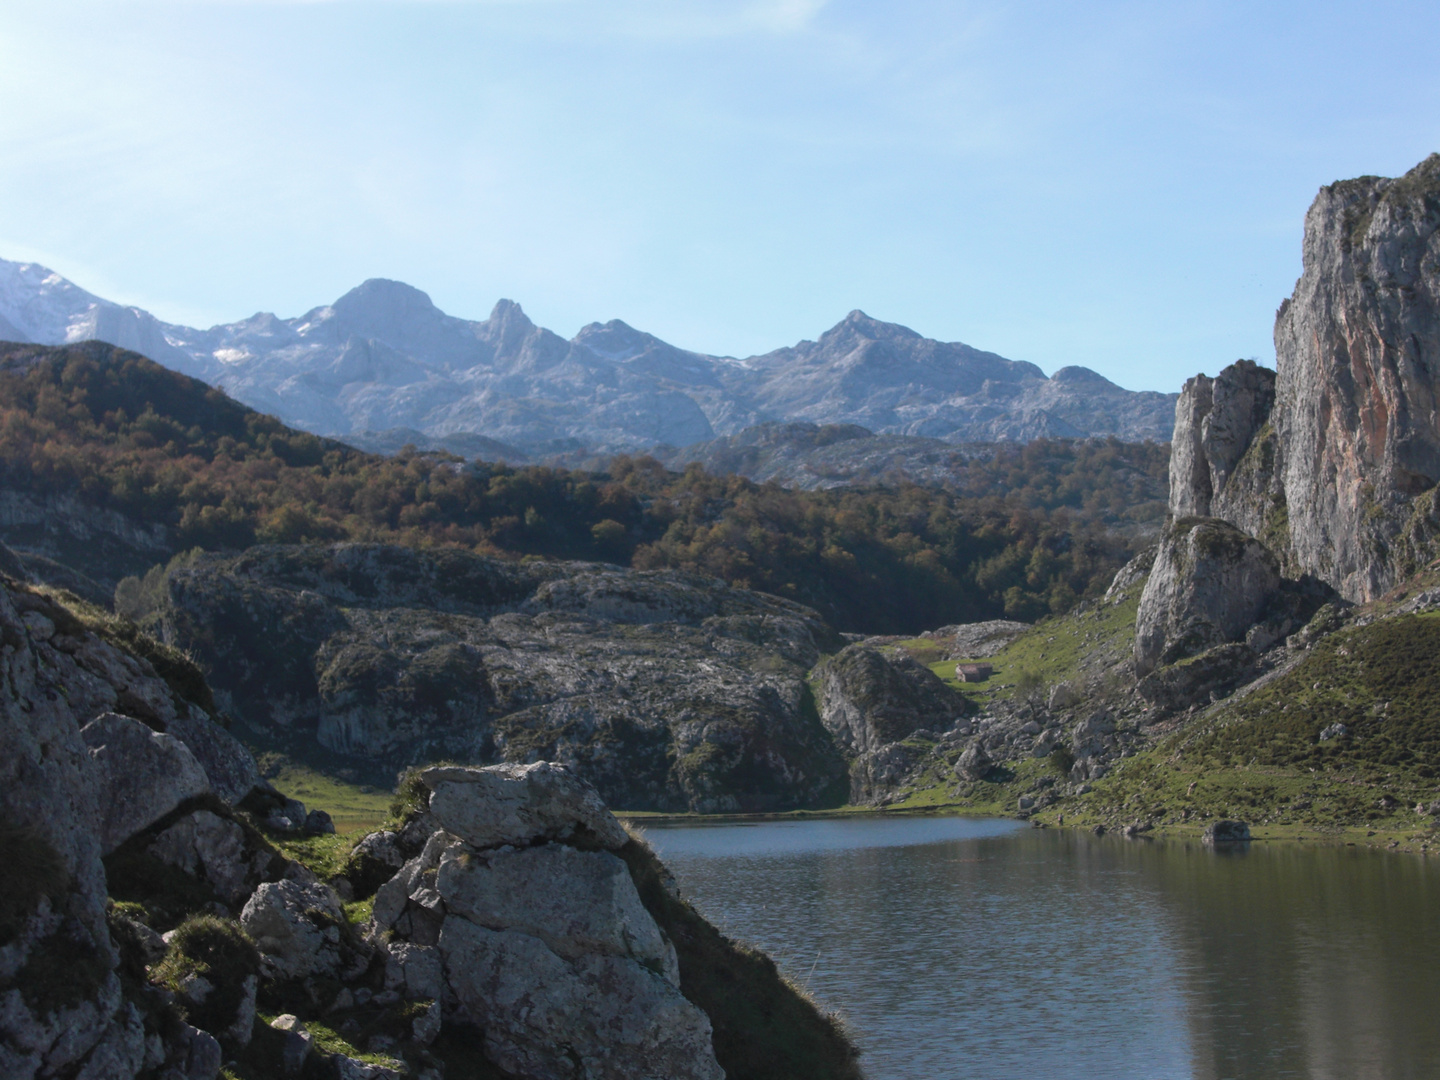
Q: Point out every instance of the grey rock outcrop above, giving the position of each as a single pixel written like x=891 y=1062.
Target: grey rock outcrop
x=140 y=775
x=1216 y=421
x=974 y=762
x=1357 y=347
x=215 y=850
x=296 y=927
x=868 y=699
x=515 y=804
x=1227 y=832
x=1198 y=679
x=76 y=780
x=544 y=945
x=667 y=690
x=1209 y=585
x=976 y=641
x=1337 y=476
x=619 y=1019
x=229 y=767
x=596 y=909
x=1134 y=573
x=47 y=791
x=871 y=702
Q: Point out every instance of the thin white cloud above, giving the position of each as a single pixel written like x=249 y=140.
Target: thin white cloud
x=784 y=16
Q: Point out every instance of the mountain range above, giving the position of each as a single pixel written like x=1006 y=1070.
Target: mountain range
x=383 y=357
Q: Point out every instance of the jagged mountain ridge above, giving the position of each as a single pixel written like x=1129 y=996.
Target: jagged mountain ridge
x=384 y=357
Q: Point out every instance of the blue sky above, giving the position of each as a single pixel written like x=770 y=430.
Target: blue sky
x=1118 y=185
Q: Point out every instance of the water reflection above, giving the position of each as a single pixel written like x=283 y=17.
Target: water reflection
x=974 y=949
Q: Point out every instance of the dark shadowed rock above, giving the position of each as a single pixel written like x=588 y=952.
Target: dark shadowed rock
x=1227 y=832
x=868 y=698
x=1198 y=679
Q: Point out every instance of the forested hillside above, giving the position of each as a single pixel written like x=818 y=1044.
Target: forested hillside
x=1022 y=534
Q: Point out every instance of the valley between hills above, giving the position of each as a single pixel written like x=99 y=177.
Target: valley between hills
x=227 y=638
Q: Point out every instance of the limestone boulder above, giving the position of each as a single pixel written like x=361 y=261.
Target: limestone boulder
x=577 y=902
x=518 y=804
x=296 y=927
x=228 y=766
x=140 y=775
x=1209 y=585
x=601 y=1016
x=974 y=762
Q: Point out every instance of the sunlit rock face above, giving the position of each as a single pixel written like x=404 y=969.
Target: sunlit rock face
x=1332 y=460
x=1358 y=357
x=519 y=907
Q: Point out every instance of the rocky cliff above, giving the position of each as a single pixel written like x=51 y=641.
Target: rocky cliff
x=1333 y=461
x=152 y=929
x=875 y=704
x=666 y=690
x=78 y=780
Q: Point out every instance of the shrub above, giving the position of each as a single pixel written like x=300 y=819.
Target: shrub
x=219 y=951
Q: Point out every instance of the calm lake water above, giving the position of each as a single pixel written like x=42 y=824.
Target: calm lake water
x=986 y=950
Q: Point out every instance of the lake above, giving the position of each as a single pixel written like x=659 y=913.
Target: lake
x=987 y=950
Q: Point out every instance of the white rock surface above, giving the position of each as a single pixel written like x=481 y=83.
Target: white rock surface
x=515 y=804
x=295 y=927
x=576 y=902
x=541 y=1012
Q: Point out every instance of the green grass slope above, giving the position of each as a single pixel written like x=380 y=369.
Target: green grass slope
x=1260 y=757
x=1088 y=646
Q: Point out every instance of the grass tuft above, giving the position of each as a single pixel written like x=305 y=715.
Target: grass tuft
x=219 y=951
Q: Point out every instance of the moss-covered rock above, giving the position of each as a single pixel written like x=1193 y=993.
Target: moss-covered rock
x=213 y=968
